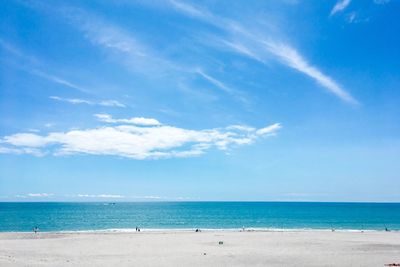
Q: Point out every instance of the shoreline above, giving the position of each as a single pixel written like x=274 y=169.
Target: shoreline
x=210 y=230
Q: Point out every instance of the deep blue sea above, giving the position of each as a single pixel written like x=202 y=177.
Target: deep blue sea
x=203 y=215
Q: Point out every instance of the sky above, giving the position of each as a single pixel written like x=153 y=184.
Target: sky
x=134 y=100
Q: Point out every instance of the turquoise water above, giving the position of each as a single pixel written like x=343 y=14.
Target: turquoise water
x=203 y=215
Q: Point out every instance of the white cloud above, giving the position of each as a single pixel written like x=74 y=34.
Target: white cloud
x=111 y=103
x=108 y=103
x=135 y=120
x=269 y=129
x=71 y=100
x=241 y=128
x=21 y=150
x=138 y=142
x=25 y=140
x=340 y=6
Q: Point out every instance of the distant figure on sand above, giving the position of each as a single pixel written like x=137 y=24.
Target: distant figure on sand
x=35 y=229
x=136 y=228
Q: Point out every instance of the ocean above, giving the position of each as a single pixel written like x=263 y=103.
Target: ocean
x=50 y=216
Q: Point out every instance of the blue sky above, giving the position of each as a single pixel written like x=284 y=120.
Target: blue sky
x=200 y=100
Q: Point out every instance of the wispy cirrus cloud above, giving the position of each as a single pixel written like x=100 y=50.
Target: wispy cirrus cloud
x=262 y=46
x=138 y=55
x=222 y=86
x=75 y=101
x=123 y=45
x=193 y=11
x=290 y=57
x=57 y=80
x=242 y=49
x=16 y=52
x=215 y=82
x=31 y=64
x=138 y=141
x=340 y=6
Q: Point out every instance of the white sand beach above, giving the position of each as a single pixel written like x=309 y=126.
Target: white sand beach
x=286 y=248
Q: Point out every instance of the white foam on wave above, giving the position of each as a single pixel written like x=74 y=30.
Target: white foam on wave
x=168 y=230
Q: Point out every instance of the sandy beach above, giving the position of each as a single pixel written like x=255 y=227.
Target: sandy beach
x=286 y=248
